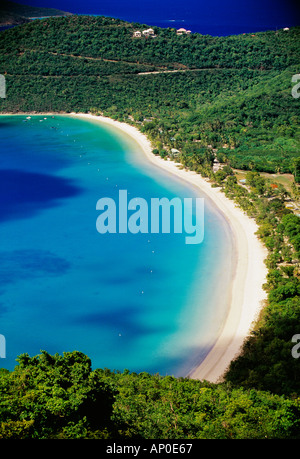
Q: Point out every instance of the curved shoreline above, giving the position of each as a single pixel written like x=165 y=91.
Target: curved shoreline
x=247 y=295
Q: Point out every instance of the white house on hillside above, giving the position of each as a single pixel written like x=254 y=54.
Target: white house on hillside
x=183 y=31
x=148 y=32
x=145 y=33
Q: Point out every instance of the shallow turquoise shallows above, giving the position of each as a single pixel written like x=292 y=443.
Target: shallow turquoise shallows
x=143 y=302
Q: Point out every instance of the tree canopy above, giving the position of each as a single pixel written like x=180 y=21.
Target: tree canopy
x=60 y=396
x=233 y=93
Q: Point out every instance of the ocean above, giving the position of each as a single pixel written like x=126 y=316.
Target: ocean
x=143 y=302
x=216 y=17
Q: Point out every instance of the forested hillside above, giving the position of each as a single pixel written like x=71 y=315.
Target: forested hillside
x=61 y=397
x=225 y=98
x=12 y=13
x=232 y=92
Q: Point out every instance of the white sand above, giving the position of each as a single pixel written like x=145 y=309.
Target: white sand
x=247 y=295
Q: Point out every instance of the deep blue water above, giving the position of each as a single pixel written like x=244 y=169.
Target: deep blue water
x=144 y=302
x=5 y=28
x=214 y=17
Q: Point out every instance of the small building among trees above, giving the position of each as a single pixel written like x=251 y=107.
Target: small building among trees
x=183 y=31
x=137 y=34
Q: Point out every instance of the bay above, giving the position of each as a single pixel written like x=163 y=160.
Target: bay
x=145 y=302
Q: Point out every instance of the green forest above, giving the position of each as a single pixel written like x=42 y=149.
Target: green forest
x=226 y=98
x=232 y=93
x=54 y=396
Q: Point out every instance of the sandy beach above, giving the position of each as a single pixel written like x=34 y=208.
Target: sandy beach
x=247 y=295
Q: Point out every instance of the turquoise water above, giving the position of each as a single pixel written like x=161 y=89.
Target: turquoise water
x=145 y=302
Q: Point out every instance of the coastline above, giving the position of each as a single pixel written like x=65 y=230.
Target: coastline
x=246 y=291
x=247 y=295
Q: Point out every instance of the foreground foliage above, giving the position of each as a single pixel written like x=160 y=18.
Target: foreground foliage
x=58 y=396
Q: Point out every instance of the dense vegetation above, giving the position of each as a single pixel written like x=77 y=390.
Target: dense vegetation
x=227 y=98
x=233 y=93
x=266 y=361
x=61 y=397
